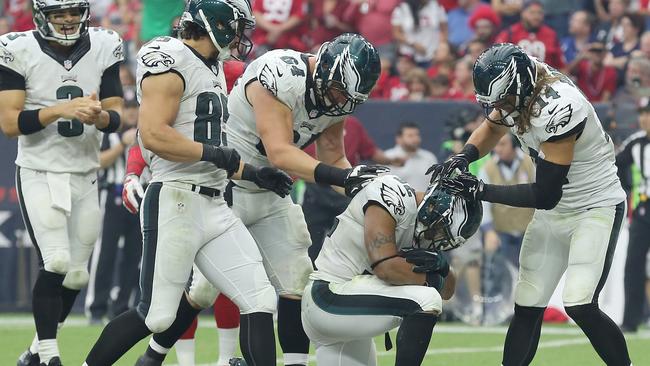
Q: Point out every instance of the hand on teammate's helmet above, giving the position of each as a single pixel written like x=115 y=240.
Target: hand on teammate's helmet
x=444 y=169
x=360 y=175
x=132 y=193
x=465 y=185
x=273 y=179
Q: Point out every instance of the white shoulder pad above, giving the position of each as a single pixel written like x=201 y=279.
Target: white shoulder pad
x=391 y=193
x=110 y=45
x=160 y=55
x=283 y=73
x=14 y=50
x=564 y=109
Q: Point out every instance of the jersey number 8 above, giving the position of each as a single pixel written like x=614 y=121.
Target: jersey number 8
x=211 y=110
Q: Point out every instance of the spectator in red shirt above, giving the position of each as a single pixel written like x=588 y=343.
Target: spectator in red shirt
x=418 y=85
x=371 y=19
x=321 y=204
x=443 y=61
x=463 y=86
x=439 y=86
x=533 y=36
x=326 y=21
x=396 y=88
x=277 y=24
x=21 y=13
x=596 y=80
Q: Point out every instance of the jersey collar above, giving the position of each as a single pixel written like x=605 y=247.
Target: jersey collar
x=212 y=65
x=79 y=50
x=310 y=98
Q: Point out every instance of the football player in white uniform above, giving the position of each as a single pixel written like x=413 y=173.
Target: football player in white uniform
x=185 y=220
x=284 y=101
x=380 y=267
x=59 y=90
x=577 y=195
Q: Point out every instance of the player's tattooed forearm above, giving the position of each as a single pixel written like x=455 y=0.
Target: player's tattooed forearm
x=382 y=239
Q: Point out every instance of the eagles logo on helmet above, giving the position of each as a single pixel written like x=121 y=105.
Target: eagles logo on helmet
x=501 y=71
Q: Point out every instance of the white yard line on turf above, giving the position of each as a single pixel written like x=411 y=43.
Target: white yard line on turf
x=459 y=350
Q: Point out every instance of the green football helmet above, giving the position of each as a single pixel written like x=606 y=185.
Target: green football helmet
x=225 y=21
x=445 y=221
x=350 y=65
x=500 y=71
x=41 y=10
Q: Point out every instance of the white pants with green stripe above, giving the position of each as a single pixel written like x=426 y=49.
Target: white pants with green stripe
x=343 y=318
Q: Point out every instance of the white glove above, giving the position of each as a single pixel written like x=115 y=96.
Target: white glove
x=132 y=193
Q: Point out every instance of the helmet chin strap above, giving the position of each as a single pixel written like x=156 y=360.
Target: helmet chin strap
x=224 y=52
x=64 y=39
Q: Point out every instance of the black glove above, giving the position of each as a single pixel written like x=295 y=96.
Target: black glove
x=430 y=262
x=223 y=157
x=269 y=178
x=458 y=161
x=360 y=175
x=465 y=185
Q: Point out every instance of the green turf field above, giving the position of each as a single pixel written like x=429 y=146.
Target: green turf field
x=452 y=344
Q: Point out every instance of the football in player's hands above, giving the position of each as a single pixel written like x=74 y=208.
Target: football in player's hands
x=132 y=193
x=360 y=175
x=274 y=180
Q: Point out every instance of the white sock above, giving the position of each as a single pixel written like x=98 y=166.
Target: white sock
x=228 y=340
x=33 y=348
x=185 y=352
x=158 y=348
x=47 y=349
x=296 y=358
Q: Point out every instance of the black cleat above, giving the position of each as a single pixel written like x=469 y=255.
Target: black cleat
x=28 y=359
x=145 y=360
x=237 y=361
x=54 y=361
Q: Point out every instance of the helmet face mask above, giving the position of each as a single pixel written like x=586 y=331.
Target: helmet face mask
x=226 y=22
x=44 y=12
x=504 y=76
x=445 y=221
x=345 y=73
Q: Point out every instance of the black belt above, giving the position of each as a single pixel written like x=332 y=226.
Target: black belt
x=206 y=191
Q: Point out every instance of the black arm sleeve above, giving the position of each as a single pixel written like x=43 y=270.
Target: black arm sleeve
x=110 y=85
x=544 y=194
x=624 y=160
x=11 y=80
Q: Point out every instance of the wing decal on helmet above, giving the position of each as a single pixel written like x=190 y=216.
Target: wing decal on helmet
x=350 y=76
x=392 y=198
x=500 y=84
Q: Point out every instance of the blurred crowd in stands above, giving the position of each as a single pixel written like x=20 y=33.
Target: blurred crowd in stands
x=427 y=46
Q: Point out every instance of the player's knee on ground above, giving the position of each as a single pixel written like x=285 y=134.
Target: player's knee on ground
x=266 y=301
x=202 y=294
x=57 y=262
x=76 y=279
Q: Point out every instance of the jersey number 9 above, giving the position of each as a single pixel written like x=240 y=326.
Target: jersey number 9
x=75 y=127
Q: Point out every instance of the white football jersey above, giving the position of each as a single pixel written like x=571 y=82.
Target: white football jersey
x=285 y=74
x=202 y=113
x=344 y=253
x=51 y=78
x=592 y=179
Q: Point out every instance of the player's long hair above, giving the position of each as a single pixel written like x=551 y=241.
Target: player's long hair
x=532 y=110
x=191 y=31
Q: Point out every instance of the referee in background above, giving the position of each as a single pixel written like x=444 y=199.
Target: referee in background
x=635 y=152
x=111 y=292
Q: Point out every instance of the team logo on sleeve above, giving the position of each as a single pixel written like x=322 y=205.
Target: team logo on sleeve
x=559 y=118
x=157 y=58
x=267 y=79
x=393 y=199
x=6 y=56
x=118 y=52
